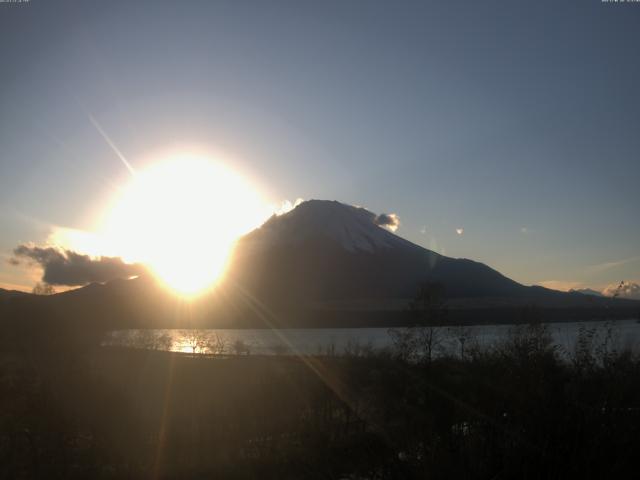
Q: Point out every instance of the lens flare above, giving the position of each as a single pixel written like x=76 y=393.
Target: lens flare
x=181 y=218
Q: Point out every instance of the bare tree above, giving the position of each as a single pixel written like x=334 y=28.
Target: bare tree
x=405 y=343
x=241 y=348
x=463 y=335
x=429 y=311
x=163 y=342
x=217 y=344
x=196 y=339
x=145 y=339
x=43 y=288
x=421 y=340
x=152 y=340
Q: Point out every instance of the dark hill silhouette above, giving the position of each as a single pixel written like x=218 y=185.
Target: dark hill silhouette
x=5 y=294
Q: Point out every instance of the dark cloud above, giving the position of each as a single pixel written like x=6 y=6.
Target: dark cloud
x=388 y=220
x=65 y=267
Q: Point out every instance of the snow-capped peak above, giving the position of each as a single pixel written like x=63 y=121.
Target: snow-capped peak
x=353 y=228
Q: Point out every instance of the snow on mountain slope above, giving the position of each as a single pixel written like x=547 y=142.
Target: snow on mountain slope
x=352 y=228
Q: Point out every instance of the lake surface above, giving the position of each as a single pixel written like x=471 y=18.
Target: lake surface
x=625 y=334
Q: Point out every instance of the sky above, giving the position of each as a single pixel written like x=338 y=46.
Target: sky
x=504 y=132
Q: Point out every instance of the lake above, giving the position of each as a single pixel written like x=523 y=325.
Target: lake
x=625 y=334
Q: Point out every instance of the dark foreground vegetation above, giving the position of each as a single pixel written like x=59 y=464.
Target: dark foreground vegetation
x=72 y=409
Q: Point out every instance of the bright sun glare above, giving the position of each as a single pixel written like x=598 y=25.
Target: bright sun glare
x=181 y=218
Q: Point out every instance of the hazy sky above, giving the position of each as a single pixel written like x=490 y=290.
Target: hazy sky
x=518 y=122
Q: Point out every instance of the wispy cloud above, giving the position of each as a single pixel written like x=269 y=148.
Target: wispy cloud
x=601 y=267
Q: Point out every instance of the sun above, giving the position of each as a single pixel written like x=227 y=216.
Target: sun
x=181 y=218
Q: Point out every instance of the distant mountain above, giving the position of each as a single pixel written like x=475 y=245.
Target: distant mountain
x=587 y=291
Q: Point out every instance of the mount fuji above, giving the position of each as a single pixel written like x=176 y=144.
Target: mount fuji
x=326 y=250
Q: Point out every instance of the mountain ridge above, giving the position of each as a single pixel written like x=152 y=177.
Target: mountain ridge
x=324 y=263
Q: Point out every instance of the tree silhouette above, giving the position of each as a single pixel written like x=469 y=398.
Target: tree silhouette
x=42 y=288
x=429 y=312
x=421 y=340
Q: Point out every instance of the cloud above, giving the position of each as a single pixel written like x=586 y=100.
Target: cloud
x=390 y=221
x=459 y=231
x=630 y=290
x=66 y=267
x=287 y=205
x=601 y=267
